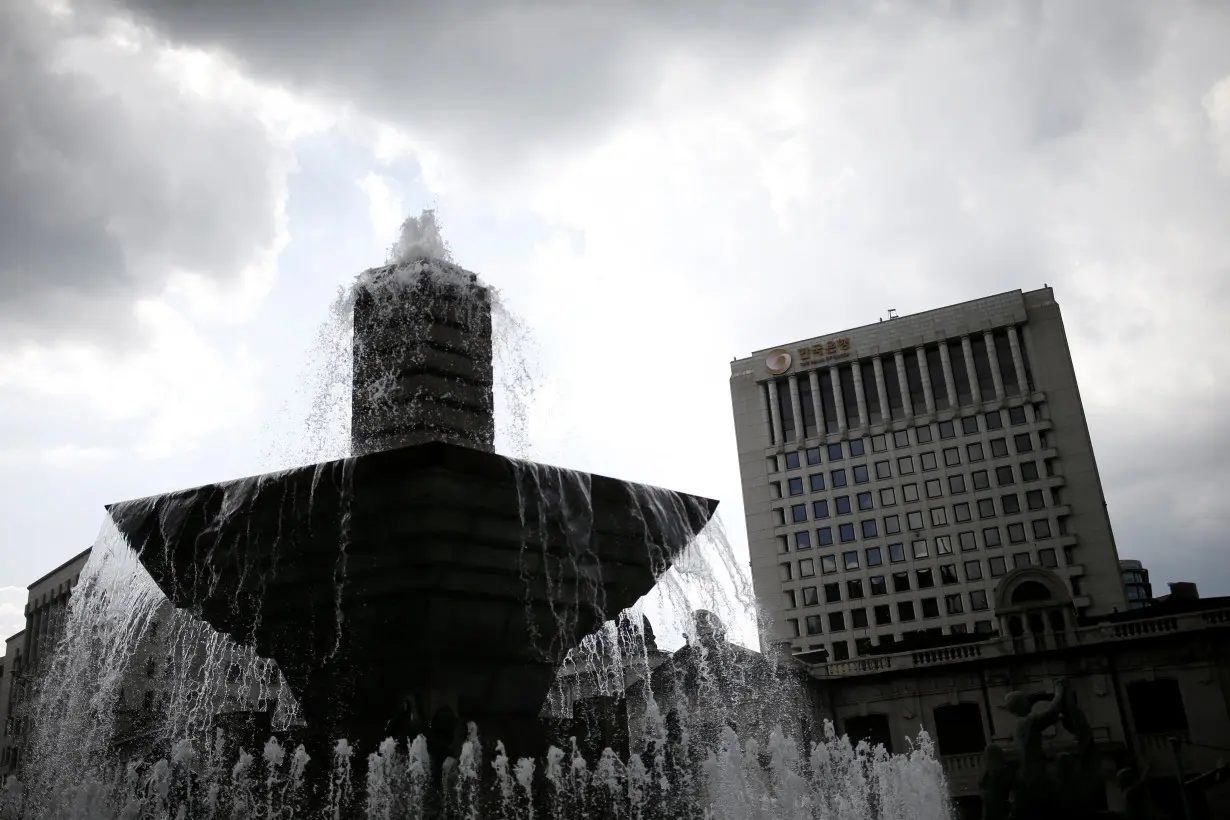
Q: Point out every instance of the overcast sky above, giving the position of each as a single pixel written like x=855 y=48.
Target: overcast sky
x=184 y=185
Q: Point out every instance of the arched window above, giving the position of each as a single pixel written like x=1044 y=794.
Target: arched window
x=1031 y=591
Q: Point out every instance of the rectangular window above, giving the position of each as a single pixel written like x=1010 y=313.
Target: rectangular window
x=892 y=524
x=953 y=604
x=943 y=545
x=1003 y=475
x=905 y=609
x=837 y=621
x=850 y=559
x=948 y=574
x=981 y=480
x=860 y=474
x=909 y=492
x=807 y=568
x=896 y=552
x=792 y=461
x=813 y=624
x=927 y=460
x=864 y=501
x=854 y=589
x=999 y=448
x=1029 y=471
x=857 y=448
x=828 y=564
x=993 y=420
x=978 y=601
x=824 y=536
x=961 y=512
x=816 y=482
x=923 y=434
x=905 y=465
x=798 y=513
x=973 y=451
x=919 y=547
x=973 y=570
x=845 y=533
x=952 y=457
x=1016 y=415
x=925 y=578
x=1035 y=500
x=933 y=488
x=967 y=542
x=843 y=504
x=794 y=485
x=1016 y=533
x=1010 y=503
x=914 y=520
x=878 y=586
x=901 y=582
x=1023 y=443
x=820 y=509
x=879 y=443
x=986 y=508
x=802 y=540
x=883 y=469
x=810 y=597
x=838 y=477
x=969 y=425
x=1020 y=559
x=939 y=516
x=930 y=608
x=948 y=429
x=883 y=615
x=858 y=618
x=956 y=484
x=832 y=593
x=1047 y=558
x=1042 y=528
x=783 y=572
x=813 y=455
x=998 y=566
x=888 y=497
x=874 y=558
x=901 y=438
x=835 y=453
x=991 y=538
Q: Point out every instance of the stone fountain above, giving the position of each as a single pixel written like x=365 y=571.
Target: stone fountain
x=426 y=581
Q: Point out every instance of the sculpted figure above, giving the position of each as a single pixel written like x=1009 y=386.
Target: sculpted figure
x=1037 y=793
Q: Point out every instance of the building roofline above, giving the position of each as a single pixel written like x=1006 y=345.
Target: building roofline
x=15 y=635
x=756 y=353
x=74 y=559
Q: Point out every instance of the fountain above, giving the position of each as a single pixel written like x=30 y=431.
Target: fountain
x=426 y=589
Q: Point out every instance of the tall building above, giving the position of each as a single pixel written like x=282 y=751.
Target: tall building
x=893 y=473
x=1136 y=584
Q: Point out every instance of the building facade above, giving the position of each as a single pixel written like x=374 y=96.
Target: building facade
x=893 y=474
x=1136 y=584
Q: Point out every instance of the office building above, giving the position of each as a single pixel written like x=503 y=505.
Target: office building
x=894 y=473
x=1136 y=584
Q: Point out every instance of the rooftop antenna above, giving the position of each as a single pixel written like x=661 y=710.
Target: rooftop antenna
x=892 y=313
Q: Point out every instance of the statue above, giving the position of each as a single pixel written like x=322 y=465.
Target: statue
x=996 y=785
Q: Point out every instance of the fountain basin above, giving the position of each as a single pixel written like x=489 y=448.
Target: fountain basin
x=452 y=575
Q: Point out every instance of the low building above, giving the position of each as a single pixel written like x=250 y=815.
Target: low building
x=10 y=724
x=1136 y=584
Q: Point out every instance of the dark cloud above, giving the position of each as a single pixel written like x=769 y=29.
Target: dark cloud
x=111 y=178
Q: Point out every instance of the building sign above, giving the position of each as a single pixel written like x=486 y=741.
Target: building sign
x=834 y=350
x=778 y=361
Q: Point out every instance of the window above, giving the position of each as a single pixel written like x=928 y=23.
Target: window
x=838 y=477
x=905 y=465
x=892 y=524
x=854 y=589
x=888 y=497
x=905 y=609
x=883 y=469
x=1020 y=559
x=816 y=481
x=802 y=540
x=783 y=571
x=981 y=480
x=919 y=548
x=927 y=460
x=953 y=604
x=878 y=587
x=967 y=542
x=901 y=438
x=860 y=474
x=923 y=433
x=837 y=621
x=986 y=508
x=960 y=512
x=1011 y=503
x=933 y=488
x=1023 y=443
x=1047 y=558
x=820 y=509
x=948 y=574
x=858 y=618
x=1016 y=415
x=948 y=429
x=813 y=624
x=832 y=593
x=925 y=578
x=798 y=513
x=1029 y=471
x=850 y=559
x=1016 y=533
x=843 y=504
x=973 y=451
x=835 y=452
x=943 y=545
x=828 y=564
x=1157 y=706
x=879 y=443
x=841 y=650
x=969 y=425
x=857 y=448
x=1034 y=500
x=956 y=484
x=1003 y=475
x=896 y=552
x=845 y=533
x=864 y=501
x=824 y=536
x=792 y=461
x=813 y=455
x=868 y=526
x=958 y=629
x=930 y=608
x=939 y=516
x=788 y=599
x=913 y=520
x=794 y=485
x=901 y=582
x=983 y=627
x=1042 y=528
x=810 y=596
x=993 y=420
x=973 y=570
x=991 y=538
x=807 y=568
x=883 y=615
x=999 y=447
x=909 y=492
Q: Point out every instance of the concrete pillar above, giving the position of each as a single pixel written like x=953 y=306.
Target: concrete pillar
x=1018 y=361
x=877 y=365
x=796 y=407
x=859 y=394
x=950 y=383
x=765 y=418
x=993 y=358
x=821 y=428
x=903 y=383
x=775 y=412
x=924 y=370
x=971 y=372
x=839 y=404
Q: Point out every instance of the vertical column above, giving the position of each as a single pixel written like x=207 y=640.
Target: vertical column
x=925 y=371
x=775 y=412
x=839 y=404
x=1018 y=361
x=950 y=384
x=907 y=404
x=859 y=394
x=968 y=350
x=797 y=407
x=821 y=428
x=993 y=358
x=877 y=365
x=765 y=418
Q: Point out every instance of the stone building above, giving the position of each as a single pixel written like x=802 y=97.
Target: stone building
x=10 y=694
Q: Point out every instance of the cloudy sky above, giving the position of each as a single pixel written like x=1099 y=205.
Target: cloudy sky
x=655 y=187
